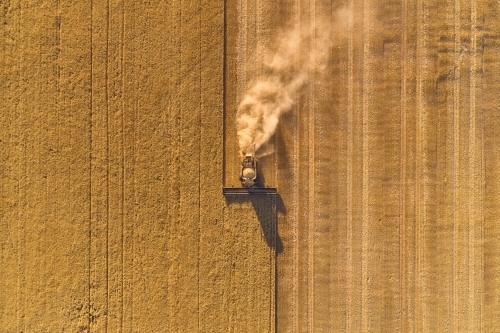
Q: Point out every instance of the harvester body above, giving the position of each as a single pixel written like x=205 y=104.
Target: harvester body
x=249 y=180
x=249 y=171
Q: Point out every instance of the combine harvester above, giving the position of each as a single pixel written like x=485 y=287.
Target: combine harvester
x=249 y=179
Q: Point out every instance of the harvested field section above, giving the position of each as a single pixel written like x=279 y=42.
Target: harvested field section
x=385 y=164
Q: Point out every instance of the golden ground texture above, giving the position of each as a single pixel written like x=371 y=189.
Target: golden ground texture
x=117 y=133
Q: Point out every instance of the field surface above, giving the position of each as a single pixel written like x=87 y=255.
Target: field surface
x=387 y=164
x=118 y=131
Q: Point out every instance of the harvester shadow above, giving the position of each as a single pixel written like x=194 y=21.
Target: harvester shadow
x=266 y=209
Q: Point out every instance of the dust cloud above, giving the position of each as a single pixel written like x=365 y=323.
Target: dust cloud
x=301 y=53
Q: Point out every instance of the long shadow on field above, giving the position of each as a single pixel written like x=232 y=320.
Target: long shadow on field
x=267 y=213
x=266 y=208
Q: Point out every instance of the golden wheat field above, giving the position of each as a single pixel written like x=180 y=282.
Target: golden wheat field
x=378 y=121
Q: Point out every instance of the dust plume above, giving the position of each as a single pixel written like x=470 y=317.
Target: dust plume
x=300 y=54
